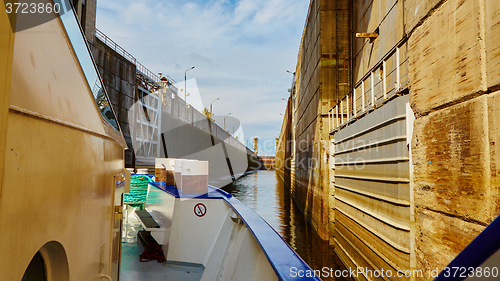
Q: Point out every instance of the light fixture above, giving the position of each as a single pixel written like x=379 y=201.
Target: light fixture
x=211 y=106
x=185 y=89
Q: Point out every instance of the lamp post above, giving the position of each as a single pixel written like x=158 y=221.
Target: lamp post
x=211 y=106
x=185 y=89
x=225 y=120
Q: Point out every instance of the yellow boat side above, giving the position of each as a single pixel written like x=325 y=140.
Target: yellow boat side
x=59 y=161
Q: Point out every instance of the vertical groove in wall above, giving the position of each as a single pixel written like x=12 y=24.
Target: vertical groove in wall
x=487 y=159
x=482 y=44
x=342 y=35
x=410 y=118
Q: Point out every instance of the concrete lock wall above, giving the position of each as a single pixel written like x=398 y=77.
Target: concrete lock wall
x=373 y=200
x=315 y=91
x=119 y=79
x=283 y=159
x=453 y=67
x=441 y=55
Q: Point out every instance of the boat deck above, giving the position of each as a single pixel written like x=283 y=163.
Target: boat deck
x=134 y=270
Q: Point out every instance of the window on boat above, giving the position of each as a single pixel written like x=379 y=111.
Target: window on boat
x=82 y=52
x=36 y=270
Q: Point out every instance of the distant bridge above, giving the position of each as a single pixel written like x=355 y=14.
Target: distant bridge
x=267 y=162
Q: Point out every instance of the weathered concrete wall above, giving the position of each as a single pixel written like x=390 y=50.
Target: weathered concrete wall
x=316 y=92
x=307 y=107
x=86 y=12
x=119 y=79
x=283 y=159
x=91 y=9
x=373 y=225
x=379 y=57
x=453 y=68
x=445 y=55
x=322 y=78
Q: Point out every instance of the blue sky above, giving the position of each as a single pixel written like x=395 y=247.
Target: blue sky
x=241 y=50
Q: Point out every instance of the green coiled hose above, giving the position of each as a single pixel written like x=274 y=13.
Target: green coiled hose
x=138 y=190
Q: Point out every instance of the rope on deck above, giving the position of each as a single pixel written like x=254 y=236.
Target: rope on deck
x=138 y=190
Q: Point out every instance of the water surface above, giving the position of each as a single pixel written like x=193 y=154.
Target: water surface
x=264 y=192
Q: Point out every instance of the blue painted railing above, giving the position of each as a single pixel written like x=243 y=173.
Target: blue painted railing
x=476 y=253
x=281 y=257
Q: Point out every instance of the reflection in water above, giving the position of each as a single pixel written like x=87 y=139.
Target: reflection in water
x=264 y=192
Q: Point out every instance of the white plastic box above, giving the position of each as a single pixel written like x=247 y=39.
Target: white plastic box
x=194 y=177
x=170 y=171
x=177 y=173
x=160 y=170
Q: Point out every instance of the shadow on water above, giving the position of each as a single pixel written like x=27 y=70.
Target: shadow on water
x=264 y=192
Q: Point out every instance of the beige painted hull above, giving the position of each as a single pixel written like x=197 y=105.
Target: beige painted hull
x=58 y=161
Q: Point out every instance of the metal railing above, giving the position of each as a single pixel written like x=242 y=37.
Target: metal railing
x=362 y=100
x=139 y=66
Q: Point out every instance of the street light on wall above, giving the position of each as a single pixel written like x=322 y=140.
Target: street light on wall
x=225 y=120
x=185 y=89
x=211 y=106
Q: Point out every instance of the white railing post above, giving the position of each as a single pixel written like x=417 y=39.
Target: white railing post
x=329 y=122
x=354 y=101
x=363 y=95
x=373 y=89
x=341 y=112
x=384 y=69
x=337 y=114
x=333 y=122
x=347 y=100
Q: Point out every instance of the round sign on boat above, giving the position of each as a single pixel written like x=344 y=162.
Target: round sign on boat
x=200 y=209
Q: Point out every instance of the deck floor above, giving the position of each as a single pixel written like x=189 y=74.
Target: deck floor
x=134 y=270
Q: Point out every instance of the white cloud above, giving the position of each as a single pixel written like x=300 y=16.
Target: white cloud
x=241 y=49
x=271 y=10
x=129 y=13
x=244 y=10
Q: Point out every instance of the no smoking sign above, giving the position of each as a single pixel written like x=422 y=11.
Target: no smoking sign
x=200 y=209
